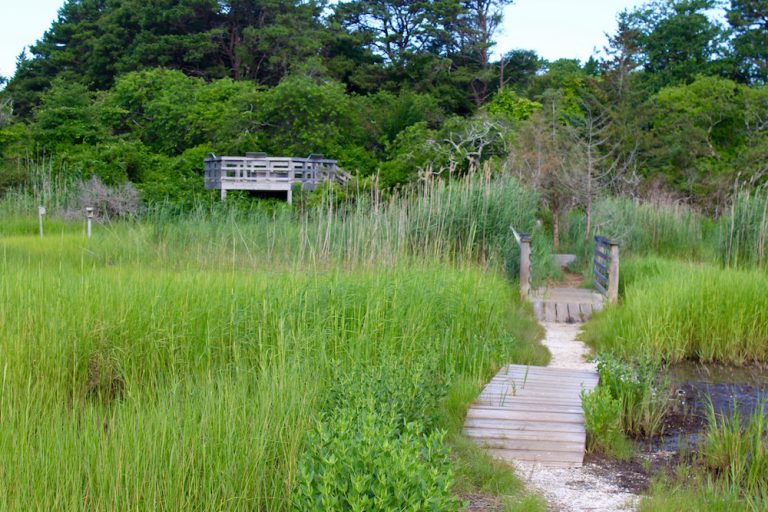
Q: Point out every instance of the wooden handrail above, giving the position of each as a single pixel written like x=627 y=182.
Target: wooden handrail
x=605 y=268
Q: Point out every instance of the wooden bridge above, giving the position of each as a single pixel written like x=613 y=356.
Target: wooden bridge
x=533 y=414
x=259 y=172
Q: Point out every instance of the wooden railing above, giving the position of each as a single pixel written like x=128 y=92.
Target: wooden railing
x=605 y=268
x=257 y=167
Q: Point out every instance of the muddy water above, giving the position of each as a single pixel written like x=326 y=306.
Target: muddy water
x=695 y=386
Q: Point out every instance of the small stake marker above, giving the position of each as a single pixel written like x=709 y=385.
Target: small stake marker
x=89 y=212
x=40 y=212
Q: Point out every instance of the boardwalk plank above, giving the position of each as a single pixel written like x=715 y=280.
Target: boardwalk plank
x=532 y=413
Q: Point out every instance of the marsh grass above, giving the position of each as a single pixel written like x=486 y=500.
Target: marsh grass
x=743 y=230
x=734 y=449
x=660 y=228
x=180 y=362
x=730 y=471
x=682 y=311
x=467 y=219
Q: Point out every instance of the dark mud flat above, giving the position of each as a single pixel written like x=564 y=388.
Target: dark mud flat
x=694 y=387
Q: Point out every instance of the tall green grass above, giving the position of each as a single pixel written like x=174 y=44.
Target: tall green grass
x=743 y=230
x=451 y=220
x=180 y=365
x=643 y=228
x=681 y=310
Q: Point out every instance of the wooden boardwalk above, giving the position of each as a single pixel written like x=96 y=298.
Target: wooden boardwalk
x=532 y=414
x=565 y=305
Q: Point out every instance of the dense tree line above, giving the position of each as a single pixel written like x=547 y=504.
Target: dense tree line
x=142 y=90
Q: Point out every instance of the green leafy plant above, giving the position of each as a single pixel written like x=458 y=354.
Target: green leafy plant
x=373 y=449
x=602 y=417
x=643 y=399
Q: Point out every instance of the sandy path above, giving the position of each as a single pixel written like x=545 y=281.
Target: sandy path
x=574 y=489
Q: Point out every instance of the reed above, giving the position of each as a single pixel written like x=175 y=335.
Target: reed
x=684 y=311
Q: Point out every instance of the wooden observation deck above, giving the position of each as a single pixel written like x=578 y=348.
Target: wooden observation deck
x=259 y=172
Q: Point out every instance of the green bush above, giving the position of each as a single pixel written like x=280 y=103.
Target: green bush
x=374 y=450
x=365 y=462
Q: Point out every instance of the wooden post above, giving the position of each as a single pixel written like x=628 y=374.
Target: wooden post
x=40 y=213
x=89 y=212
x=223 y=193
x=290 y=196
x=613 y=274
x=525 y=265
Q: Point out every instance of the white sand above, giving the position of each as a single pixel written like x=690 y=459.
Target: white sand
x=574 y=489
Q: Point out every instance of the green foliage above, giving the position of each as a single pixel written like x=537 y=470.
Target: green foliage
x=698 y=129
x=602 y=419
x=642 y=399
x=508 y=103
x=300 y=117
x=68 y=116
x=750 y=42
x=364 y=463
x=676 y=40
x=374 y=449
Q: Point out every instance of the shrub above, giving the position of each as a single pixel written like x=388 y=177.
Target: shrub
x=116 y=202
x=602 y=416
x=374 y=450
x=643 y=400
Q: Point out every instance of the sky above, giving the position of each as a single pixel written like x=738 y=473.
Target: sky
x=553 y=28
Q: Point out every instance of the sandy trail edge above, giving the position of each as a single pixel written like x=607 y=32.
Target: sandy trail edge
x=573 y=489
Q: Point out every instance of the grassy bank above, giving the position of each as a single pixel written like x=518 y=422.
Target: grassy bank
x=677 y=310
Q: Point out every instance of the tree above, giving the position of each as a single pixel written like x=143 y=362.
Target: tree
x=696 y=130
x=749 y=21
x=481 y=19
x=518 y=67
x=267 y=39
x=596 y=160
x=540 y=158
x=675 y=40
x=398 y=30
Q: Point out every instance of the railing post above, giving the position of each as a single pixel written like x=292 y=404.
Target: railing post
x=525 y=265
x=613 y=274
